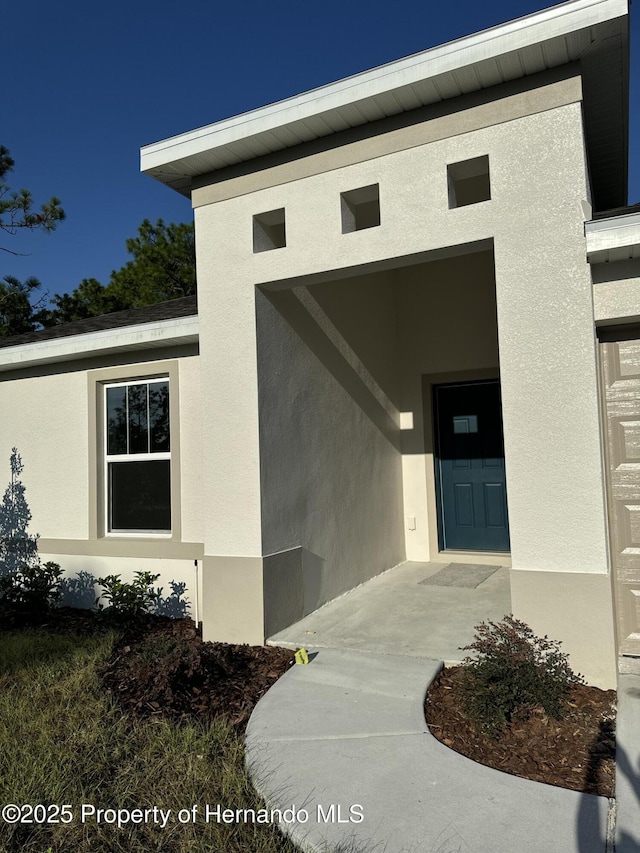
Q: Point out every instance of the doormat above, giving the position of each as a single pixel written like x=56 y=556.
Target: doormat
x=466 y=575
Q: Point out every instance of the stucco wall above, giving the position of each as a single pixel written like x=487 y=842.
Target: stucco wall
x=46 y=418
x=573 y=607
x=331 y=477
x=80 y=587
x=549 y=381
x=616 y=292
x=191 y=450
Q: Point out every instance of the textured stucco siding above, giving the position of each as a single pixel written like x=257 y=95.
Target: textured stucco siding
x=191 y=449
x=616 y=292
x=547 y=351
x=46 y=418
x=330 y=452
x=80 y=587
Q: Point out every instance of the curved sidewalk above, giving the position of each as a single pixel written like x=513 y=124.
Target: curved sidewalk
x=344 y=738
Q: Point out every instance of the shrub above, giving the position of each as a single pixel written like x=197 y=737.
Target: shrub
x=18 y=547
x=514 y=672
x=129 y=600
x=35 y=586
x=25 y=582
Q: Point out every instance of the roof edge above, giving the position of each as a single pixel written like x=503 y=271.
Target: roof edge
x=513 y=35
x=170 y=332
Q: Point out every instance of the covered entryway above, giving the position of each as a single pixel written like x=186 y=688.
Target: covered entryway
x=470 y=471
x=620 y=355
x=347 y=445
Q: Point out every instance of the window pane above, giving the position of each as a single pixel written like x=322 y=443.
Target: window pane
x=116 y=420
x=138 y=433
x=140 y=495
x=159 y=417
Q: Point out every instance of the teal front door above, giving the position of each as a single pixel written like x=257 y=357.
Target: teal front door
x=470 y=472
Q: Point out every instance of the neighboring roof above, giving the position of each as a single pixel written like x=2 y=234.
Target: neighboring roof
x=184 y=307
x=166 y=324
x=592 y=31
x=614 y=235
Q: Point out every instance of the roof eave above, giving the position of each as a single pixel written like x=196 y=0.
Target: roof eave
x=613 y=239
x=174 y=332
x=176 y=160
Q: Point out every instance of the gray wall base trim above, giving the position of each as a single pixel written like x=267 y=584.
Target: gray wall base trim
x=112 y=547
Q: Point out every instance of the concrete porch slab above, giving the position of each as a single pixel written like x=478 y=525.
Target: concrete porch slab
x=394 y=613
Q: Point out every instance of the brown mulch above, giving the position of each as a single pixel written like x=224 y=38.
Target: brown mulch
x=577 y=752
x=162 y=668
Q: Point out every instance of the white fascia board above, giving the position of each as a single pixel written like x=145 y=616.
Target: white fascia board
x=618 y=232
x=505 y=38
x=181 y=330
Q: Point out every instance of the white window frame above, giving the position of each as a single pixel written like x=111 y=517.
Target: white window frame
x=134 y=457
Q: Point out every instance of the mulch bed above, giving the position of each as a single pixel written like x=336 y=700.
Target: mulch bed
x=162 y=668
x=577 y=752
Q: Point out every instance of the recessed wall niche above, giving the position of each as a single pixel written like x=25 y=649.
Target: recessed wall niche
x=360 y=208
x=469 y=182
x=269 y=231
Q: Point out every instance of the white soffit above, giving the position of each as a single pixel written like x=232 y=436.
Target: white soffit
x=614 y=239
x=175 y=332
x=524 y=46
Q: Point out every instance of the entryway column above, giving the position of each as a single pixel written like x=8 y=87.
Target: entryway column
x=232 y=570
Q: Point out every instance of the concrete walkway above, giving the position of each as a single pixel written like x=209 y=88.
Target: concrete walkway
x=344 y=739
x=628 y=765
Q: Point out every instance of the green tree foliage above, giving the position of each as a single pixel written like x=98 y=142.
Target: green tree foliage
x=18 y=313
x=89 y=299
x=16 y=307
x=162 y=267
x=16 y=208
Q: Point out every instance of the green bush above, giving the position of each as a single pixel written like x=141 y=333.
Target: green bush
x=35 y=586
x=128 y=600
x=514 y=671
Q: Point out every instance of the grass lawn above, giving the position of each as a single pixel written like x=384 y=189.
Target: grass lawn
x=64 y=741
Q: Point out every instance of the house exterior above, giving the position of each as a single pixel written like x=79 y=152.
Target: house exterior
x=417 y=338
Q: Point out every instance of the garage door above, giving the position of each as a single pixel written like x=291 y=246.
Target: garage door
x=620 y=358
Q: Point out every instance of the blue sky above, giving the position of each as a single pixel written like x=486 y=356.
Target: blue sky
x=87 y=84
